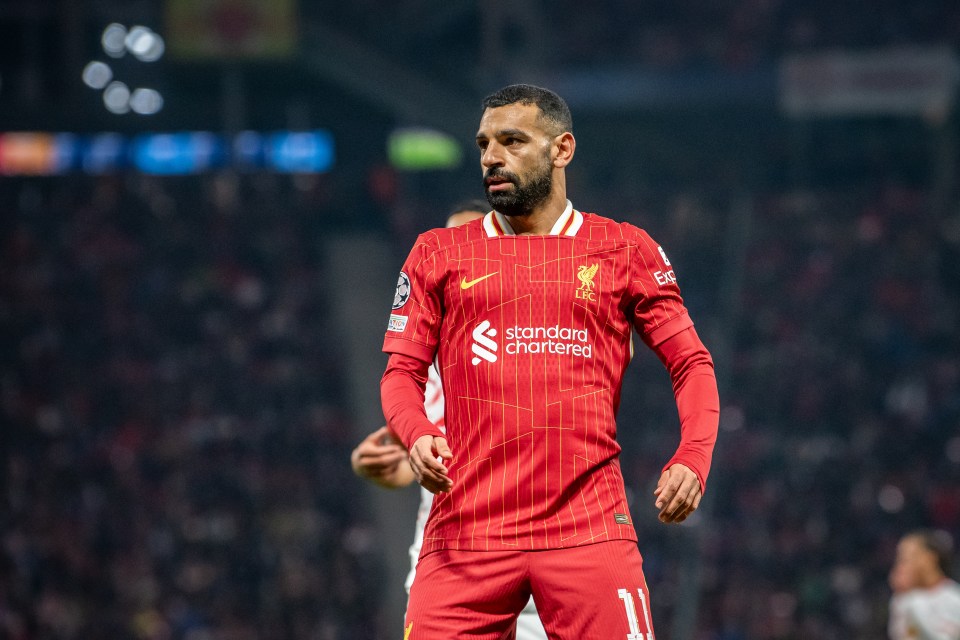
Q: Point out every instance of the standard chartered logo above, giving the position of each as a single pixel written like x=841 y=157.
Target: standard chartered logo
x=484 y=348
x=530 y=340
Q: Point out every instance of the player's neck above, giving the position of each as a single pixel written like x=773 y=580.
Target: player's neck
x=541 y=220
x=932 y=579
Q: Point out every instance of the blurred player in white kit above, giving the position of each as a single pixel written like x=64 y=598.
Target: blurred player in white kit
x=926 y=601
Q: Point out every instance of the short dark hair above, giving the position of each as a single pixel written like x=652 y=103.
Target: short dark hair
x=937 y=542
x=481 y=206
x=553 y=109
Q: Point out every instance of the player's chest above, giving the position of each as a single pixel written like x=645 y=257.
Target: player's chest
x=539 y=274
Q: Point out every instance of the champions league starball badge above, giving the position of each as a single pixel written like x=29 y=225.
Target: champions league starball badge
x=403 y=291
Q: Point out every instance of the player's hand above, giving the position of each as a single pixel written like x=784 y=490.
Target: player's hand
x=378 y=457
x=430 y=472
x=678 y=494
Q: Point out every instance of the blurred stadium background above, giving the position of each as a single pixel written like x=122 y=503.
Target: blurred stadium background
x=203 y=206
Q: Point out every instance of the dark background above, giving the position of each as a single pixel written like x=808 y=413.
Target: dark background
x=187 y=361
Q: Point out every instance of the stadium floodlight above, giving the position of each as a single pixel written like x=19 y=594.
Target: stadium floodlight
x=153 y=52
x=143 y=43
x=113 y=40
x=146 y=101
x=116 y=97
x=97 y=74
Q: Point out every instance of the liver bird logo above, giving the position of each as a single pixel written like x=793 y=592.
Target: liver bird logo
x=586 y=275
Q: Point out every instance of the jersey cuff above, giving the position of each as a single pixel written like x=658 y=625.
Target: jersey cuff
x=425 y=430
x=408 y=348
x=669 y=329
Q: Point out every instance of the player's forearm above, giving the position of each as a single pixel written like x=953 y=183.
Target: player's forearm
x=401 y=395
x=698 y=403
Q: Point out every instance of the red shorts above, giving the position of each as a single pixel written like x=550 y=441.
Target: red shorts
x=593 y=591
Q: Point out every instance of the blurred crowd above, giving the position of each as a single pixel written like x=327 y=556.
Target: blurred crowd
x=175 y=443
x=843 y=414
x=176 y=435
x=840 y=421
x=740 y=34
x=659 y=34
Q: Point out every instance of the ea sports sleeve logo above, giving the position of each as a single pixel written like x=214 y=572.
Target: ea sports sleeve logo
x=483 y=347
x=403 y=291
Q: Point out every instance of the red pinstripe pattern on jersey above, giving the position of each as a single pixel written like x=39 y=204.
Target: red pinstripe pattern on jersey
x=533 y=433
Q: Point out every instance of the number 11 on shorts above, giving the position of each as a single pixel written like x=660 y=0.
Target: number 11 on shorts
x=632 y=618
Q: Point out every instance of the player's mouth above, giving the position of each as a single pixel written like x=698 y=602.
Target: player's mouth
x=497 y=182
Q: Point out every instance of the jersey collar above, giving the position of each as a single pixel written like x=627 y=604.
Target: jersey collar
x=569 y=222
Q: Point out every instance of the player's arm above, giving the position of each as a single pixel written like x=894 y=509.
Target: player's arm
x=401 y=394
x=665 y=326
x=382 y=459
x=684 y=477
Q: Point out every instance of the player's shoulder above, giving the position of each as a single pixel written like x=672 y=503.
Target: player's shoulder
x=443 y=238
x=952 y=587
x=597 y=225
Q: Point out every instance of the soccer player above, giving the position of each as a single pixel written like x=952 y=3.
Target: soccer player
x=926 y=602
x=529 y=313
x=381 y=458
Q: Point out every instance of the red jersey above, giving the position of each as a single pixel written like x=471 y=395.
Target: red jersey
x=532 y=335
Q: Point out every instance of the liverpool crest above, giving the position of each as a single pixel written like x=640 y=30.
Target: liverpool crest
x=586 y=275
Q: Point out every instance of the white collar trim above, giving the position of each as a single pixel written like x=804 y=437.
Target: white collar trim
x=496 y=224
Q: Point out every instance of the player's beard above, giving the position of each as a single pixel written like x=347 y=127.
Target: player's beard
x=526 y=194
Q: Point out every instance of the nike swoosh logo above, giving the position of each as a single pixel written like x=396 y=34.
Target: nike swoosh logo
x=466 y=284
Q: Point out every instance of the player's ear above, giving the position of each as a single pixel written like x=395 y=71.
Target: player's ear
x=563 y=147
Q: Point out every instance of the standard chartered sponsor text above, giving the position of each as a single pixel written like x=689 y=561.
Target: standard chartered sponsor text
x=556 y=339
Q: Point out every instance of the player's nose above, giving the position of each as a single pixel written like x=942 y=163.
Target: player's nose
x=491 y=156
